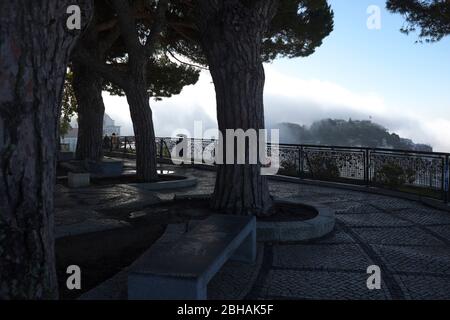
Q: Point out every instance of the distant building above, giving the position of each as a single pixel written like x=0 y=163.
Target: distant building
x=70 y=139
x=109 y=126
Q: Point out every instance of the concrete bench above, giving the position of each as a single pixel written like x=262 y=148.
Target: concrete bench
x=182 y=270
x=104 y=168
x=107 y=167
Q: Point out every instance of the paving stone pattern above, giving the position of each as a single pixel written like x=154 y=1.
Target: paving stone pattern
x=409 y=241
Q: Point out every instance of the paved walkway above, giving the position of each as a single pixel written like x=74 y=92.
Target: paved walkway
x=407 y=240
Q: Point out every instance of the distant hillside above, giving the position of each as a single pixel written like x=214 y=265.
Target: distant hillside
x=346 y=133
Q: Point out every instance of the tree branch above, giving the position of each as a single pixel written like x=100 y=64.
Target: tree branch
x=157 y=27
x=127 y=24
x=107 y=25
x=107 y=42
x=182 y=33
x=106 y=71
x=186 y=63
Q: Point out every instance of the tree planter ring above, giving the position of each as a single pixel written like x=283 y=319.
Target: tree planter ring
x=183 y=182
x=288 y=231
x=314 y=228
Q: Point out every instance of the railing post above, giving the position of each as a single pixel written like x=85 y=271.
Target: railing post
x=300 y=162
x=445 y=172
x=161 y=148
x=191 y=151
x=366 y=167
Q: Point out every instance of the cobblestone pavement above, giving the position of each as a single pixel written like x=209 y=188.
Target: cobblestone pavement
x=409 y=241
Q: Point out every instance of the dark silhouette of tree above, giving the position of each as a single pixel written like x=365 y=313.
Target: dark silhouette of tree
x=104 y=42
x=34 y=52
x=431 y=18
x=233 y=38
x=236 y=36
x=164 y=78
x=87 y=88
x=140 y=41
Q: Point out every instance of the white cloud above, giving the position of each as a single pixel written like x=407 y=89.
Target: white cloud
x=436 y=132
x=117 y=108
x=323 y=94
x=289 y=99
x=195 y=103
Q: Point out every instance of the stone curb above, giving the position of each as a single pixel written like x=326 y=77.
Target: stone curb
x=89 y=226
x=164 y=185
x=180 y=197
x=310 y=229
x=314 y=228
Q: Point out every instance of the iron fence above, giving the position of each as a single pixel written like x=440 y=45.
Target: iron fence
x=417 y=172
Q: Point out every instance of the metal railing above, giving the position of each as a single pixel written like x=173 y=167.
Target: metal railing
x=417 y=172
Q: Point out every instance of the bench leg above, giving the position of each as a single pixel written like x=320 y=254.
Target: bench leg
x=246 y=252
x=149 y=287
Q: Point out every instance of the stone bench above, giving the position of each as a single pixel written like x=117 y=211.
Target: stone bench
x=107 y=167
x=182 y=270
x=103 y=168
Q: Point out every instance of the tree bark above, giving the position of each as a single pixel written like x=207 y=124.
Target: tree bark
x=144 y=132
x=136 y=88
x=133 y=81
x=231 y=37
x=34 y=51
x=87 y=87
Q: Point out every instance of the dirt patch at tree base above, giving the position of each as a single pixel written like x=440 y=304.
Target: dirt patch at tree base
x=132 y=178
x=282 y=212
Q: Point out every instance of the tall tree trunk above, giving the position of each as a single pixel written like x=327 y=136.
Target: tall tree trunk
x=144 y=132
x=87 y=86
x=34 y=51
x=133 y=81
x=231 y=37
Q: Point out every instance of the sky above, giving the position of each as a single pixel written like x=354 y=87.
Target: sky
x=358 y=73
